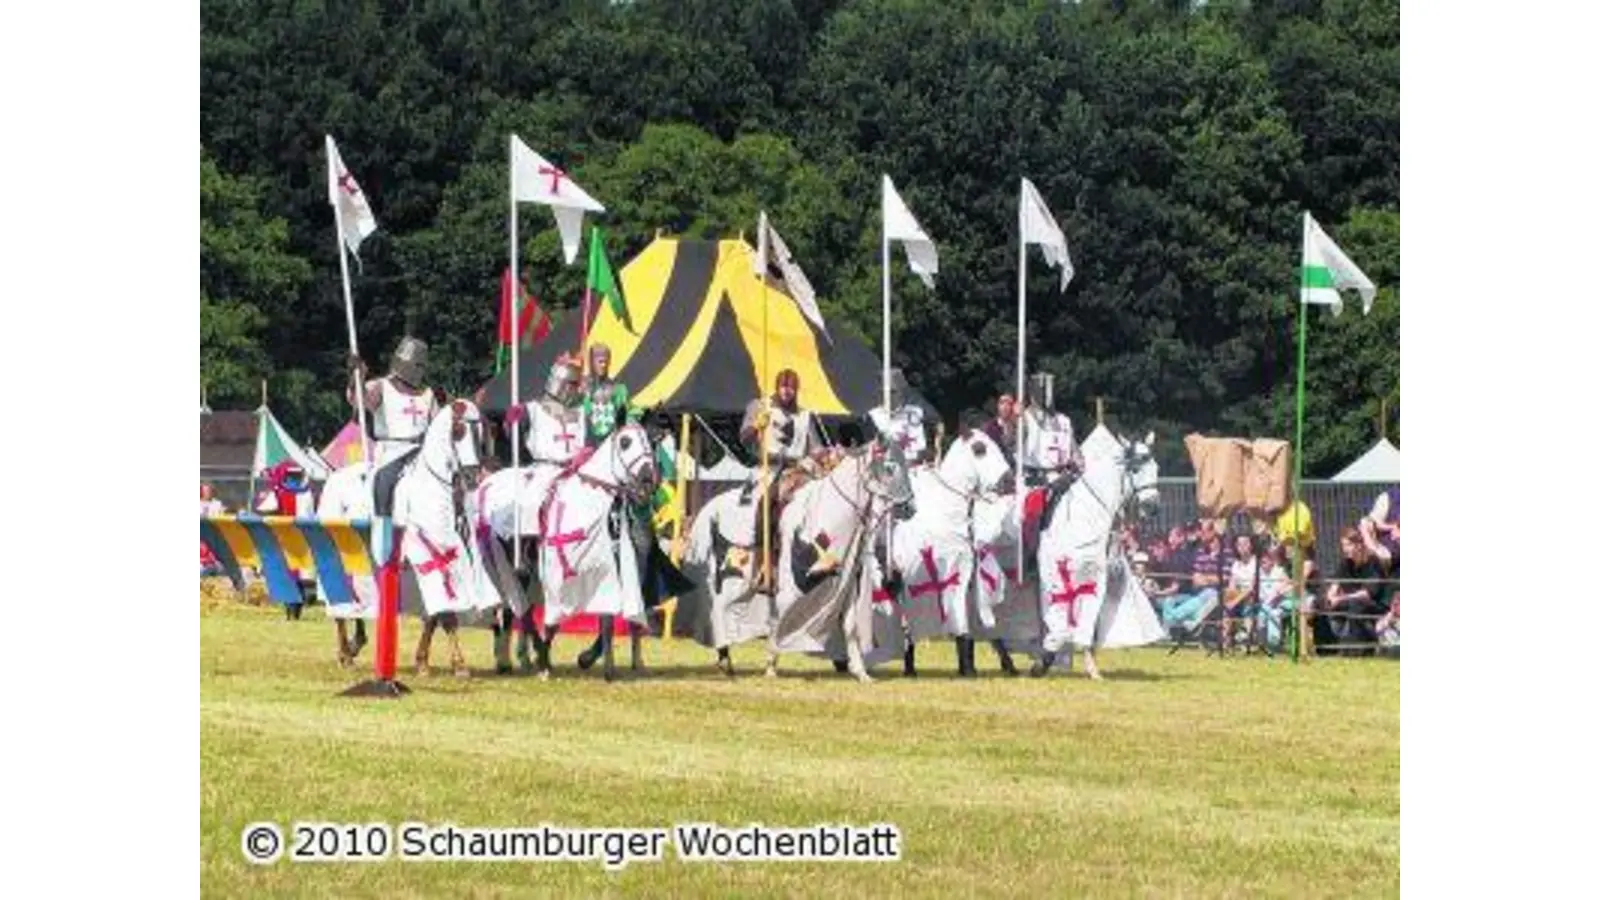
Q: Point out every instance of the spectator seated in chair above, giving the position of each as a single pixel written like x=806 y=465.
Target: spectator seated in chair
x=1188 y=609
x=1356 y=599
x=1239 y=597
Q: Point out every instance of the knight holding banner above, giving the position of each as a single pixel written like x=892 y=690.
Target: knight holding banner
x=401 y=406
x=776 y=429
x=900 y=422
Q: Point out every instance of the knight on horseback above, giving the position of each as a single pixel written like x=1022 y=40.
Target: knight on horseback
x=401 y=406
x=778 y=425
x=1051 y=457
x=901 y=422
x=555 y=436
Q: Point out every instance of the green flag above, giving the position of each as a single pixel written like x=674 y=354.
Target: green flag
x=603 y=281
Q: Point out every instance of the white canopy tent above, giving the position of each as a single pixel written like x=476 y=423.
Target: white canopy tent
x=1379 y=464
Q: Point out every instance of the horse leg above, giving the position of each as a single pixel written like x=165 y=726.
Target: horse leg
x=528 y=637
x=724 y=661
x=910 y=667
x=502 y=641
x=635 y=643
x=360 y=640
x=590 y=656
x=458 y=660
x=544 y=648
x=607 y=623
x=345 y=656
x=1089 y=666
x=854 y=639
x=1006 y=664
x=425 y=645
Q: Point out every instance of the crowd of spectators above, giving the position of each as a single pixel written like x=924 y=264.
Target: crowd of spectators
x=1202 y=575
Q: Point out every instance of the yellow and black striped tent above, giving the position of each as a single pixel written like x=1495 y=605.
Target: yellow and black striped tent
x=697 y=309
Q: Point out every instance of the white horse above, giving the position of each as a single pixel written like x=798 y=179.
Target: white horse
x=1075 y=561
x=345 y=496
x=934 y=556
x=594 y=539
x=723 y=608
x=824 y=597
x=427 y=506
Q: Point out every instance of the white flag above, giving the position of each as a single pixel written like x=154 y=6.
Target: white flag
x=771 y=250
x=1039 y=227
x=900 y=225
x=537 y=180
x=1325 y=271
x=355 y=215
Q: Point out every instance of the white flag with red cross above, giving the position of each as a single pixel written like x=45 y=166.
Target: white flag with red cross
x=356 y=221
x=535 y=179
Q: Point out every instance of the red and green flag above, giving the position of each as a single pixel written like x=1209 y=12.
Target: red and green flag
x=533 y=328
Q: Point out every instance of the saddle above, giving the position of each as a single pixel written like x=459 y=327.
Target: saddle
x=387 y=479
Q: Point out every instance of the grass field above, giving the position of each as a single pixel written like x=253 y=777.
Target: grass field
x=1177 y=776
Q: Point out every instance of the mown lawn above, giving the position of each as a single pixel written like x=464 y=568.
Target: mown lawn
x=1177 y=776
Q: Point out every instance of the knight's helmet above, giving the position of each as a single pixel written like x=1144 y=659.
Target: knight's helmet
x=410 y=361
x=1041 y=390
x=563 y=380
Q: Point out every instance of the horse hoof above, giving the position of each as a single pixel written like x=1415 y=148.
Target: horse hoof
x=840 y=666
x=345 y=661
x=725 y=666
x=587 y=660
x=463 y=672
x=862 y=677
x=423 y=671
x=544 y=674
x=771 y=672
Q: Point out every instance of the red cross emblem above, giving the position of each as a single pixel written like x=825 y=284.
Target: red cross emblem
x=417 y=413
x=989 y=580
x=558 y=541
x=438 y=562
x=1070 y=592
x=348 y=184
x=1060 y=451
x=566 y=437
x=934 y=585
x=555 y=177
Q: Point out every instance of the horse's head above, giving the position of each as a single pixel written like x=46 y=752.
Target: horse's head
x=888 y=478
x=628 y=460
x=1137 y=463
x=975 y=464
x=452 y=444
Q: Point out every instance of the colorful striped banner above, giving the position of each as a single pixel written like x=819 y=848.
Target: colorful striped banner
x=277 y=546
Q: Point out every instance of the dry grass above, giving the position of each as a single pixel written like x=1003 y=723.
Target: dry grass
x=1179 y=776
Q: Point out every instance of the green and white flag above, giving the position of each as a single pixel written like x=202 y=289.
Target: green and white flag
x=273 y=445
x=1325 y=271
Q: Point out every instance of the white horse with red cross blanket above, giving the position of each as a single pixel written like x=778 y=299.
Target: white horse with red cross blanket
x=1075 y=565
x=427 y=509
x=934 y=554
x=594 y=533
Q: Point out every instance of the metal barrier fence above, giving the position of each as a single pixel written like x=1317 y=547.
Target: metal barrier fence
x=1334 y=506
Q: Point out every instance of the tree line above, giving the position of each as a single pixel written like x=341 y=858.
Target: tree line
x=1178 y=145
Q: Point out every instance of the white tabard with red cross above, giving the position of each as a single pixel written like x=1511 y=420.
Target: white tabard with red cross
x=1070 y=592
x=582 y=570
x=439 y=559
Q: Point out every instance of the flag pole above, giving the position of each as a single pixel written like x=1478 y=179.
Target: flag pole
x=1022 y=357
x=588 y=294
x=350 y=319
x=888 y=540
x=766 y=374
x=516 y=344
x=1299 y=456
